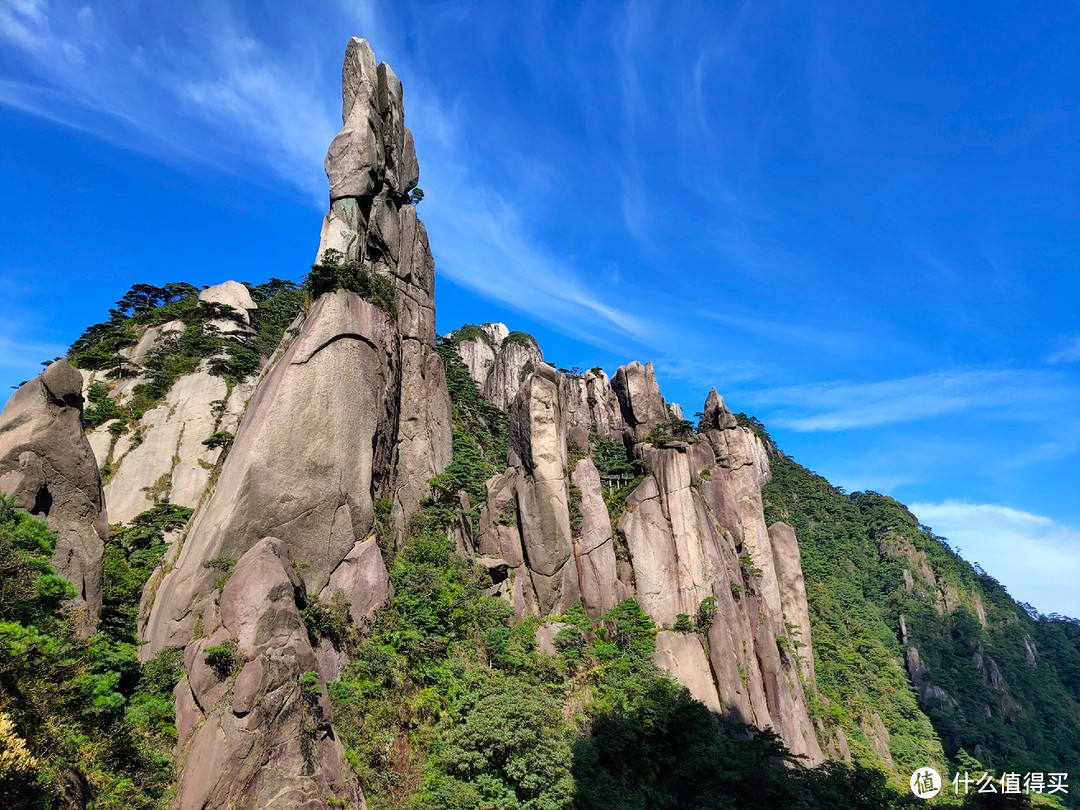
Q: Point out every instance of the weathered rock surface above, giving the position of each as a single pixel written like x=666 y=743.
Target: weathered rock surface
x=371 y=166
x=642 y=404
x=314 y=437
x=262 y=739
x=789 y=575
x=512 y=365
x=497 y=365
x=682 y=655
x=171 y=460
x=688 y=527
x=48 y=466
x=354 y=408
x=594 y=550
x=234 y=296
x=538 y=443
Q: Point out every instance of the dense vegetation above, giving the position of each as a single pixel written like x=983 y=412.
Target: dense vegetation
x=182 y=350
x=449 y=703
x=998 y=709
x=95 y=727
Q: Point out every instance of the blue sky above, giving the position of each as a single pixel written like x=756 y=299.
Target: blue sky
x=858 y=221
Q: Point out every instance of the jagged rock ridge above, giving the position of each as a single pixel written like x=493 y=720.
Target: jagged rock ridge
x=693 y=533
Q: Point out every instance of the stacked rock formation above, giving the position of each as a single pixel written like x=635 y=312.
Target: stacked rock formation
x=354 y=409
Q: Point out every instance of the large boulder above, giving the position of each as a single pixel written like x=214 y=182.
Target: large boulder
x=48 y=467
x=517 y=357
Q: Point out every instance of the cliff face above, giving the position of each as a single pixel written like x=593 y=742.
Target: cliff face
x=354 y=410
x=692 y=539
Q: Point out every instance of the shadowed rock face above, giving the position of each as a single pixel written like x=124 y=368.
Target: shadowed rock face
x=315 y=438
x=48 y=466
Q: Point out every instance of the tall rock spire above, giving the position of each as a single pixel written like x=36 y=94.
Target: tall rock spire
x=353 y=411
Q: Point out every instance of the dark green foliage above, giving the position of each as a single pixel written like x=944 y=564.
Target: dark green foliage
x=280 y=301
x=222 y=658
x=855 y=549
x=82 y=706
x=612 y=459
x=384 y=529
x=615 y=499
x=576 y=515
x=706 y=613
x=511 y=749
x=483 y=424
x=337 y=274
x=672 y=430
x=131 y=552
x=101 y=407
x=522 y=339
x=683 y=623
x=330 y=620
x=220 y=438
x=416 y=196
x=145 y=306
x=469 y=331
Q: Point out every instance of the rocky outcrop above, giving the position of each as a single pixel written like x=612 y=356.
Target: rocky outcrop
x=48 y=467
x=696 y=535
x=169 y=459
x=642 y=404
x=235 y=303
x=352 y=409
x=594 y=549
x=538 y=448
x=253 y=717
x=306 y=464
x=796 y=612
x=517 y=356
x=498 y=360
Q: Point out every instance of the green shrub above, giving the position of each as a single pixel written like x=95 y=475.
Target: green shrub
x=222 y=658
x=217 y=439
x=336 y=274
x=706 y=612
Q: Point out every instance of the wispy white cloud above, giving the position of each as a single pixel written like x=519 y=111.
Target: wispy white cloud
x=849 y=405
x=1035 y=557
x=1069 y=354
x=228 y=98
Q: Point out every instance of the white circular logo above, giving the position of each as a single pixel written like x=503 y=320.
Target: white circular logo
x=926 y=783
